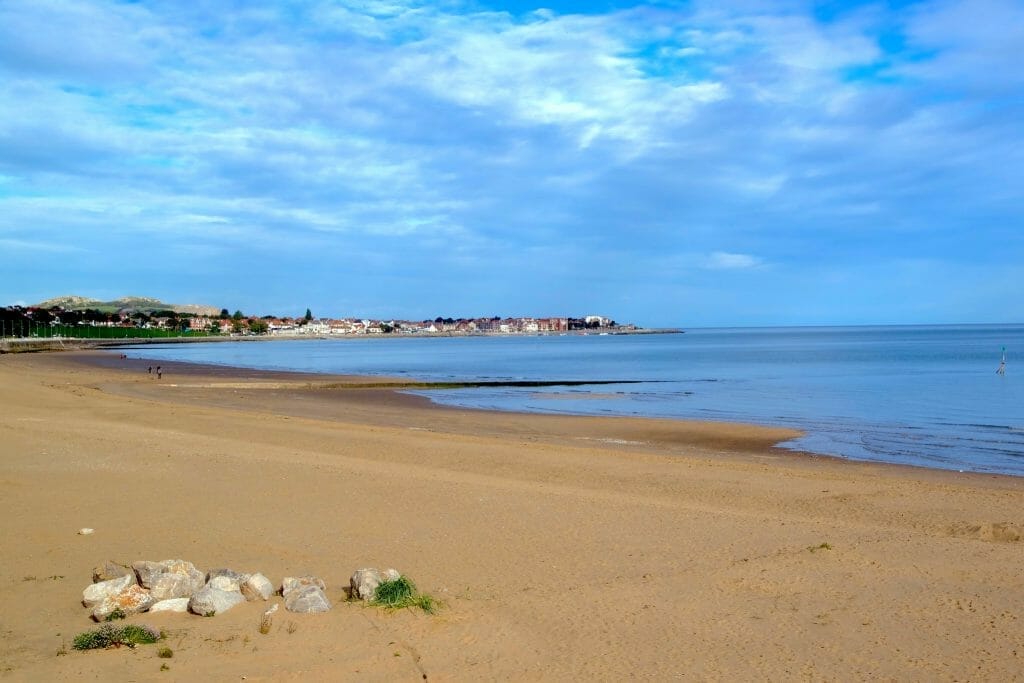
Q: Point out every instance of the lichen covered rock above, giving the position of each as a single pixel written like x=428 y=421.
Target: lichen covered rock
x=98 y=592
x=131 y=600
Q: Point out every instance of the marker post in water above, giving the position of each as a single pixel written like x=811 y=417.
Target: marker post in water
x=1002 y=364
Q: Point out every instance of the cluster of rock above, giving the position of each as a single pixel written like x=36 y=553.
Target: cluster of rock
x=177 y=586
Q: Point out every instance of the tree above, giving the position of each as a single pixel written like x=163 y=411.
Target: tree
x=309 y=315
x=237 y=316
x=224 y=315
x=258 y=326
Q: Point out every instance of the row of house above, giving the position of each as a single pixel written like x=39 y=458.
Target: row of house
x=355 y=326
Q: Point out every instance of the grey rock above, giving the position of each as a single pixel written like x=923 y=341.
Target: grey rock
x=227 y=575
x=224 y=583
x=209 y=600
x=169 y=578
x=109 y=570
x=168 y=585
x=291 y=583
x=257 y=587
x=364 y=582
x=98 y=592
x=306 y=599
x=171 y=605
x=147 y=571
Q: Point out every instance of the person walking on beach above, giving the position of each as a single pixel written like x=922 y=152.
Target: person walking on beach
x=159 y=372
x=150 y=369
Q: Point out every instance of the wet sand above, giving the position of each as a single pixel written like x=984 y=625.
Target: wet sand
x=563 y=548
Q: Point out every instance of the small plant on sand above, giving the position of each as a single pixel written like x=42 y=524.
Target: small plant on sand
x=165 y=653
x=164 y=667
x=401 y=593
x=109 y=635
x=823 y=546
x=118 y=613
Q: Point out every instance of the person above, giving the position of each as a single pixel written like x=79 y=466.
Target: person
x=150 y=369
x=159 y=372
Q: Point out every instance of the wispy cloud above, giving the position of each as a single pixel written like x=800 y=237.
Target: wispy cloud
x=15 y=246
x=723 y=260
x=407 y=151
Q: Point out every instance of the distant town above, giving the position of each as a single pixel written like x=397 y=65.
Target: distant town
x=76 y=317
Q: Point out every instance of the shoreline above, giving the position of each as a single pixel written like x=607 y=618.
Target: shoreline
x=397 y=384
x=381 y=400
x=46 y=344
x=559 y=550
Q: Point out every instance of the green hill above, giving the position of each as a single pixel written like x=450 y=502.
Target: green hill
x=128 y=304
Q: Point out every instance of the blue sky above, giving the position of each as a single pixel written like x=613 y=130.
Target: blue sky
x=666 y=163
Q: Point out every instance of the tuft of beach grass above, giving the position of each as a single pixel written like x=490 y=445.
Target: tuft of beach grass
x=401 y=593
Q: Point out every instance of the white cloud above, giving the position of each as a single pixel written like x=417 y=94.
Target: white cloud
x=413 y=133
x=723 y=260
x=16 y=245
x=573 y=71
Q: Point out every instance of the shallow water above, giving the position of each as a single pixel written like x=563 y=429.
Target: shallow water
x=922 y=395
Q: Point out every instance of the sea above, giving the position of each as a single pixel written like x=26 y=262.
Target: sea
x=916 y=395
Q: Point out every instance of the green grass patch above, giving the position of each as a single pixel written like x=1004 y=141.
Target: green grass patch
x=109 y=635
x=402 y=593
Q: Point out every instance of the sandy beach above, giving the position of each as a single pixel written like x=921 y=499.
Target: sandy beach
x=561 y=548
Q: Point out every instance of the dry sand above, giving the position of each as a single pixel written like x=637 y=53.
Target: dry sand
x=562 y=548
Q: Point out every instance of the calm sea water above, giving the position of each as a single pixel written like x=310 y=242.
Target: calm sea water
x=925 y=396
